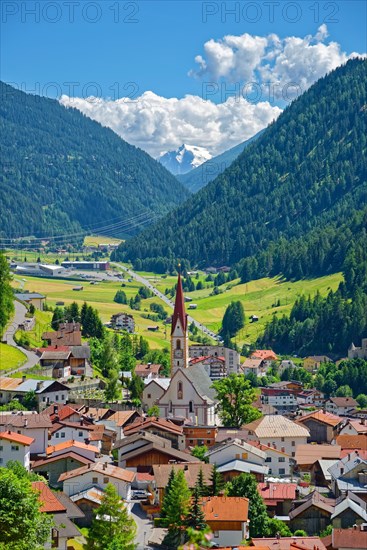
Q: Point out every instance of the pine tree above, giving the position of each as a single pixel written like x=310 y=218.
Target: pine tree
x=217 y=482
x=167 y=494
x=177 y=510
x=112 y=526
x=200 y=483
x=245 y=485
x=196 y=518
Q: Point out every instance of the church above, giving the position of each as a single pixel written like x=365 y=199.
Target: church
x=189 y=394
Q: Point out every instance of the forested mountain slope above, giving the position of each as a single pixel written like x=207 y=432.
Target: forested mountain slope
x=61 y=171
x=297 y=189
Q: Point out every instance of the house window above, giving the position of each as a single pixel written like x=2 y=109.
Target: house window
x=281 y=471
x=149 y=395
x=80 y=434
x=43 y=399
x=282 y=438
x=281 y=459
x=15 y=447
x=191 y=406
x=62 y=396
x=63 y=435
x=268 y=459
x=216 y=534
x=293 y=453
x=1 y=448
x=170 y=407
x=94 y=479
x=238 y=455
x=57 y=397
x=179 y=390
x=244 y=456
x=106 y=479
x=1 y=394
x=293 y=443
x=191 y=441
x=57 y=435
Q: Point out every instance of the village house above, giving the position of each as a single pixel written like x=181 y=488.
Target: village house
x=278 y=497
x=311 y=397
x=14 y=446
x=283 y=400
x=158 y=426
x=352 y=442
x=200 y=435
x=349 y=511
x=123 y=321
x=119 y=420
x=64 y=361
x=98 y=475
x=87 y=501
x=31 y=298
x=293 y=385
x=323 y=426
x=52 y=467
x=280 y=464
x=68 y=334
x=340 y=406
x=215 y=367
x=62 y=510
x=354 y=427
x=77 y=431
x=354 y=538
x=46 y=391
x=312 y=513
x=278 y=432
x=313 y=362
x=227 y=518
x=29 y=424
x=235 y=467
x=232 y=358
x=254 y=366
x=88 y=451
x=358 y=352
x=235 y=449
x=140 y=451
x=349 y=474
x=307 y=455
x=150 y=371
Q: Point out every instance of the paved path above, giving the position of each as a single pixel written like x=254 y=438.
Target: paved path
x=163 y=297
x=19 y=315
x=144 y=527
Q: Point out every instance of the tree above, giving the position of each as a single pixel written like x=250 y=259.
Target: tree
x=30 y=400
x=245 y=485
x=235 y=396
x=177 y=510
x=32 y=309
x=108 y=359
x=136 y=386
x=167 y=494
x=277 y=526
x=233 y=319
x=6 y=294
x=199 y=451
x=200 y=483
x=216 y=482
x=153 y=411
x=362 y=400
x=112 y=526
x=57 y=318
x=22 y=525
x=120 y=297
x=196 y=518
x=113 y=389
x=344 y=391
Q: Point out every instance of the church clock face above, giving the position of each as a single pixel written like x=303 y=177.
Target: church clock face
x=178 y=354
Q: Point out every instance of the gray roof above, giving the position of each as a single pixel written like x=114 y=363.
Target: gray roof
x=80 y=352
x=31 y=420
x=201 y=381
x=325 y=464
x=31 y=385
x=243 y=466
x=65 y=527
x=55 y=355
x=72 y=510
x=28 y=296
x=162 y=382
x=347 y=463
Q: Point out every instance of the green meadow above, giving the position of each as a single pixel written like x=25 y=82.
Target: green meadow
x=11 y=358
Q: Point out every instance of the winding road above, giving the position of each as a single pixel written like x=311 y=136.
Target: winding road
x=19 y=315
x=163 y=297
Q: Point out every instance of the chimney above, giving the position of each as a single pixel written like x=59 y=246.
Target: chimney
x=363 y=421
x=88 y=465
x=25 y=422
x=24 y=378
x=56 y=409
x=105 y=465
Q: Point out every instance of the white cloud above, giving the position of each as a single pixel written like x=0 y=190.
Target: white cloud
x=270 y=59
x=158 y=124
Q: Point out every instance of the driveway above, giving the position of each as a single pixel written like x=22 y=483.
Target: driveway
x=19 y=315
x=144 y=527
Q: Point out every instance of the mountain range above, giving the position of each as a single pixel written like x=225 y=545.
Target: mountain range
x=63 y=173
x=292 y=202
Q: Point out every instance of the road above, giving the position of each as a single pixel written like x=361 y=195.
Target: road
x=19 y=315
x=163 y=297
x=144 y=527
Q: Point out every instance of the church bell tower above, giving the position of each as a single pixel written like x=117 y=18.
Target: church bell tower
x=179 y=337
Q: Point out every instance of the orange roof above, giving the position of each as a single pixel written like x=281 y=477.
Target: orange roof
x=349 y=538
x=121 y=417
x=102 y=468
x=144 y=423
x=71 y=443
x=287 y=543
x=309 y=453
x=10 y=383
x=17 y=438
x=225 y=508
x=264 y=354
x=49 y=502
x=352 y=441
x=325 y=417
x=62 y=411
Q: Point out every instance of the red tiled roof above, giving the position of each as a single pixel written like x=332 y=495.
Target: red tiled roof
x=143 y=476
x=17 y=438
x=349 y=538
x=62 y=413
x=352 y=441
x=144 y=423
x=277 y=491
x=225 y=508
x=49 y=502
x=324 y=417
x=179 y=313
x=146 y=369
x=265 y=354
x=362 y=453
x=286 y=543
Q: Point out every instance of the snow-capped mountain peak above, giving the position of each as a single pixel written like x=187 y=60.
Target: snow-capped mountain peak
x=184 y=159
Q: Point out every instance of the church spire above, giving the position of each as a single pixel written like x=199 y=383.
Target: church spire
x=179 y=313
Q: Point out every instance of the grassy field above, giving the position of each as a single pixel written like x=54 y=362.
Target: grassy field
x=100 y=296
x=43 y=323
x=94 y=240
x=11 y=358
x=259 y=298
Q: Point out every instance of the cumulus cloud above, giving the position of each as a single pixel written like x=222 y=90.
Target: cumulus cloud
x=291 y=62
x=158 y=124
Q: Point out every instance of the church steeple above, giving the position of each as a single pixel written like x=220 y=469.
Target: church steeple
x=179 y=337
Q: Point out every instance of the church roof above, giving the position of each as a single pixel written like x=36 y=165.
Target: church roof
x=201 y=381
x=179 y=313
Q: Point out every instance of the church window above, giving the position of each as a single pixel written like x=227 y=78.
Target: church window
x=178 y=344
x=170 y=407
x=179 y=391
x=191 y=406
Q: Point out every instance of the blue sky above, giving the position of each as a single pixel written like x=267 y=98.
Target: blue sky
x=127 y=48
